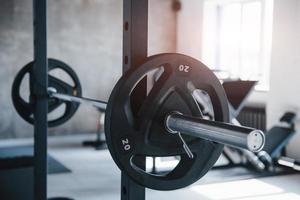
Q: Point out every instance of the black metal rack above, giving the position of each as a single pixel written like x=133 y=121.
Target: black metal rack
x=135 y=51
x=39 y=88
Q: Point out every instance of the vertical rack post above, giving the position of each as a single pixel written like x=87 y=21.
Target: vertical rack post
x=39 y=84
x=135 y=51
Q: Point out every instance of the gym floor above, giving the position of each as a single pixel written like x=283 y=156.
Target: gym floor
x=95 y=176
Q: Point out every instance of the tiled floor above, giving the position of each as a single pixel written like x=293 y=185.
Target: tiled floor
x=95 y=177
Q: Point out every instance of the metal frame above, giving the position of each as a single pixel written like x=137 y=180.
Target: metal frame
x=39 y=84
x=135 y=51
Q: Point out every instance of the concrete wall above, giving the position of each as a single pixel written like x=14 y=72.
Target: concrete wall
x=162 y=27
x=285 y=71
x=86 y=34
x=189 y=28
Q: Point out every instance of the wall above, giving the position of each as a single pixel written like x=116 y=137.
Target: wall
x=189 y=28
x=285 y=71
x=16 y=50
x=86 y=34
x=162 y=27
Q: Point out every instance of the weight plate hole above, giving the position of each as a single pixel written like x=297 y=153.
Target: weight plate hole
x=62 y=75
x=57 y=112
x=204 y=101
x=24 y=88
x=158 y=166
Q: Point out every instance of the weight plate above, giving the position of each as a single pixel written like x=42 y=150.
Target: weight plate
x=131 y=135
x=26 y=108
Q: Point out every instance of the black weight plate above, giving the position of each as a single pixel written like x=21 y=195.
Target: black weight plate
x=26 y=108
x=129 y=136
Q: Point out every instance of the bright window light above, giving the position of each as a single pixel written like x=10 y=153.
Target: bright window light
x=237 y=38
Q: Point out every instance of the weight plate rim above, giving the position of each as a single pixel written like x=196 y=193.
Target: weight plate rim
x=26 y=69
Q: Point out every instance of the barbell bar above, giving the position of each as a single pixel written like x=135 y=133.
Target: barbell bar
x=224 y=133
x=80 y=100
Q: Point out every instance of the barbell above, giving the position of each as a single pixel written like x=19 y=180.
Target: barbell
x=169 y=121
x=228 y=134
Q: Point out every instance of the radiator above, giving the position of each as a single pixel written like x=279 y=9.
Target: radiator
x=253 y=116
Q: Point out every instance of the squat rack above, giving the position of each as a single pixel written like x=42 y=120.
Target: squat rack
x=135 y=51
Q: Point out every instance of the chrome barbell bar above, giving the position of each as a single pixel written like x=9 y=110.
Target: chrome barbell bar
x=80 y=100
x=220 y=132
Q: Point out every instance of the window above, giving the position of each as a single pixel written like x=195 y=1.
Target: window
x=237 y=38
